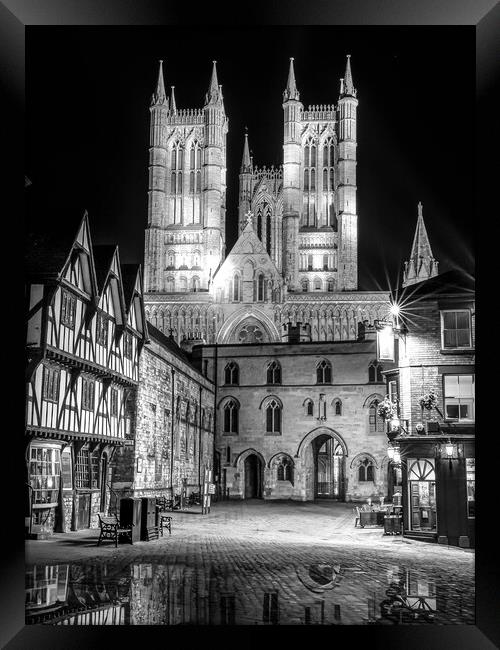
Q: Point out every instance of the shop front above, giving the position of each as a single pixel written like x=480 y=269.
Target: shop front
x=438 y=489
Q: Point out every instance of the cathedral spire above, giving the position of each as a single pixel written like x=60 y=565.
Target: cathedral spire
x=214 y=91
x=246 y=163
x=421 y=265
x=172 y=100
x=291 y=91
x=346 y=84
x=159 y=96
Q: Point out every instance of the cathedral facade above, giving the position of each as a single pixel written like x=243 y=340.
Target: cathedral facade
x=295 y=260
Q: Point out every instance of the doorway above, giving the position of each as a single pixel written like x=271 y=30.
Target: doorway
x=329 y=463
x=253 y=477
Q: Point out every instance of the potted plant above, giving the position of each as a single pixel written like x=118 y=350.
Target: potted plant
x=386 y=408
x=428 y=401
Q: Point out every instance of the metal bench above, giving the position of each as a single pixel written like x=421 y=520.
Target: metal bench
x=112 y=529
x=164 y=518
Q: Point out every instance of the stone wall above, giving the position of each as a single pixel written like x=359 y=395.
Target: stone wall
x=350 y=385
x=173 y=437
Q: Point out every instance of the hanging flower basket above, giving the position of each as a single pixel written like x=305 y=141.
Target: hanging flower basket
x=386 y=409
x=428 y=401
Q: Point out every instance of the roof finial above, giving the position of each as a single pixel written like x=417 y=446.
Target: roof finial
x=172 y=100
x=213 y=91
x=421 y=265
x=291 y=91
x=246 y=162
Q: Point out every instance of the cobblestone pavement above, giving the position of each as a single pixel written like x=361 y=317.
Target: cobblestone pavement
x=254 y=562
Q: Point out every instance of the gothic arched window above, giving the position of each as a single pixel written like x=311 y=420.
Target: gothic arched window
x=324 y=372
x=274 y=373
x=317 y=284
x=306 y=156
x=273 y=417
x=232 y=374
x=365 y=471
x=330 y=284
x=337 y=407
x=191 y=182
x=260 y=288
x=170 y=285
x=313 y=156
x=313 y=179
x=192 y=156
x=375 y=372
x=268 y=234
x=306 y=180
x=183 y=284
x=375 y=422
x=231 y=417
x=284 y=470
x=305 y=284
x=195 y=283
x=236 y=288
x=309 y=406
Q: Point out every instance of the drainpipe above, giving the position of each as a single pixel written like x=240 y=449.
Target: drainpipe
x=172 y=439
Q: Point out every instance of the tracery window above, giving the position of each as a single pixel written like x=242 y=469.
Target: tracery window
x=284 y=470
x=375 y=372
x=274 y=373
x=273 y=417
x=376 y=423
x=231 y=417
x=365 y=471
x=236 y=288
x=324 y=372
x=232 y=374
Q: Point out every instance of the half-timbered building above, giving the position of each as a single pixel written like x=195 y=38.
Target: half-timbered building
x=85 y=330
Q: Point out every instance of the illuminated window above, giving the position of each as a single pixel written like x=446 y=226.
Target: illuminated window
x=459 y=397
x=456 y=329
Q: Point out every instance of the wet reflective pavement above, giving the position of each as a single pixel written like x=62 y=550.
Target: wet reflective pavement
x=251 y=564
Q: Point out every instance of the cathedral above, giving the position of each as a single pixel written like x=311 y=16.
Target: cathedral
x=295 y=261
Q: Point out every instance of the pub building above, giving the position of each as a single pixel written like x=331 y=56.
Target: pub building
x=85 y=327
x=432 y=429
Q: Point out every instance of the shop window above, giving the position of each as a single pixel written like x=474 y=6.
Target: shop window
x=274 y=373
x=456 y=329
x=102 y=329
x=232 y=374
x=459 y=397
x=273 y=417
x=231 y=417
x=68 y=309
x=45 y=472
x=470 y=467
x=82 y=469
x=324 y=372
x=51 y=381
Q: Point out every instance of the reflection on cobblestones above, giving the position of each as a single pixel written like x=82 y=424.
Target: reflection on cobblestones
x=258 y=589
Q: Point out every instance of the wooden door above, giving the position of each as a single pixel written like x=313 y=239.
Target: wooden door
x=83 y=517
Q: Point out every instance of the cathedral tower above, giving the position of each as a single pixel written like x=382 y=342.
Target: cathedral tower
x=185 y=236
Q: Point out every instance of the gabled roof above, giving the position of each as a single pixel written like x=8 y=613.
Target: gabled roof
x=248 y=245
x=107 y=261
x=133 y=288
x=47 y=255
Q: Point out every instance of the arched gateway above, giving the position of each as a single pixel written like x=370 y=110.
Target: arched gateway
x=323 y=453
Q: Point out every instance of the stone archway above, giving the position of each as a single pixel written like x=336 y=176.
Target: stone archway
x=323 y=454
x=250 y=465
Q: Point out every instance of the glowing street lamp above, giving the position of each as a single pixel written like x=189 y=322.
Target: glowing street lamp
x=397 y=456
x=390 y=452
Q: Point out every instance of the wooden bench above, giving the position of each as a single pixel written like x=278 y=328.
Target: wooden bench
x=112 y=529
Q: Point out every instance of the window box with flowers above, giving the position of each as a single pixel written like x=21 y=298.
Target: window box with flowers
x=386 y=409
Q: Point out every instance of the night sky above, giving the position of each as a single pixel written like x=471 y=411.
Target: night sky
x=88 y=92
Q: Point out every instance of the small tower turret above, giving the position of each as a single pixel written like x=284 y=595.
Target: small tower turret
x=246 y=174
x=292 y=109
x=421 y=265
x=346 y=207
x=214 y=192
x=156 y=189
